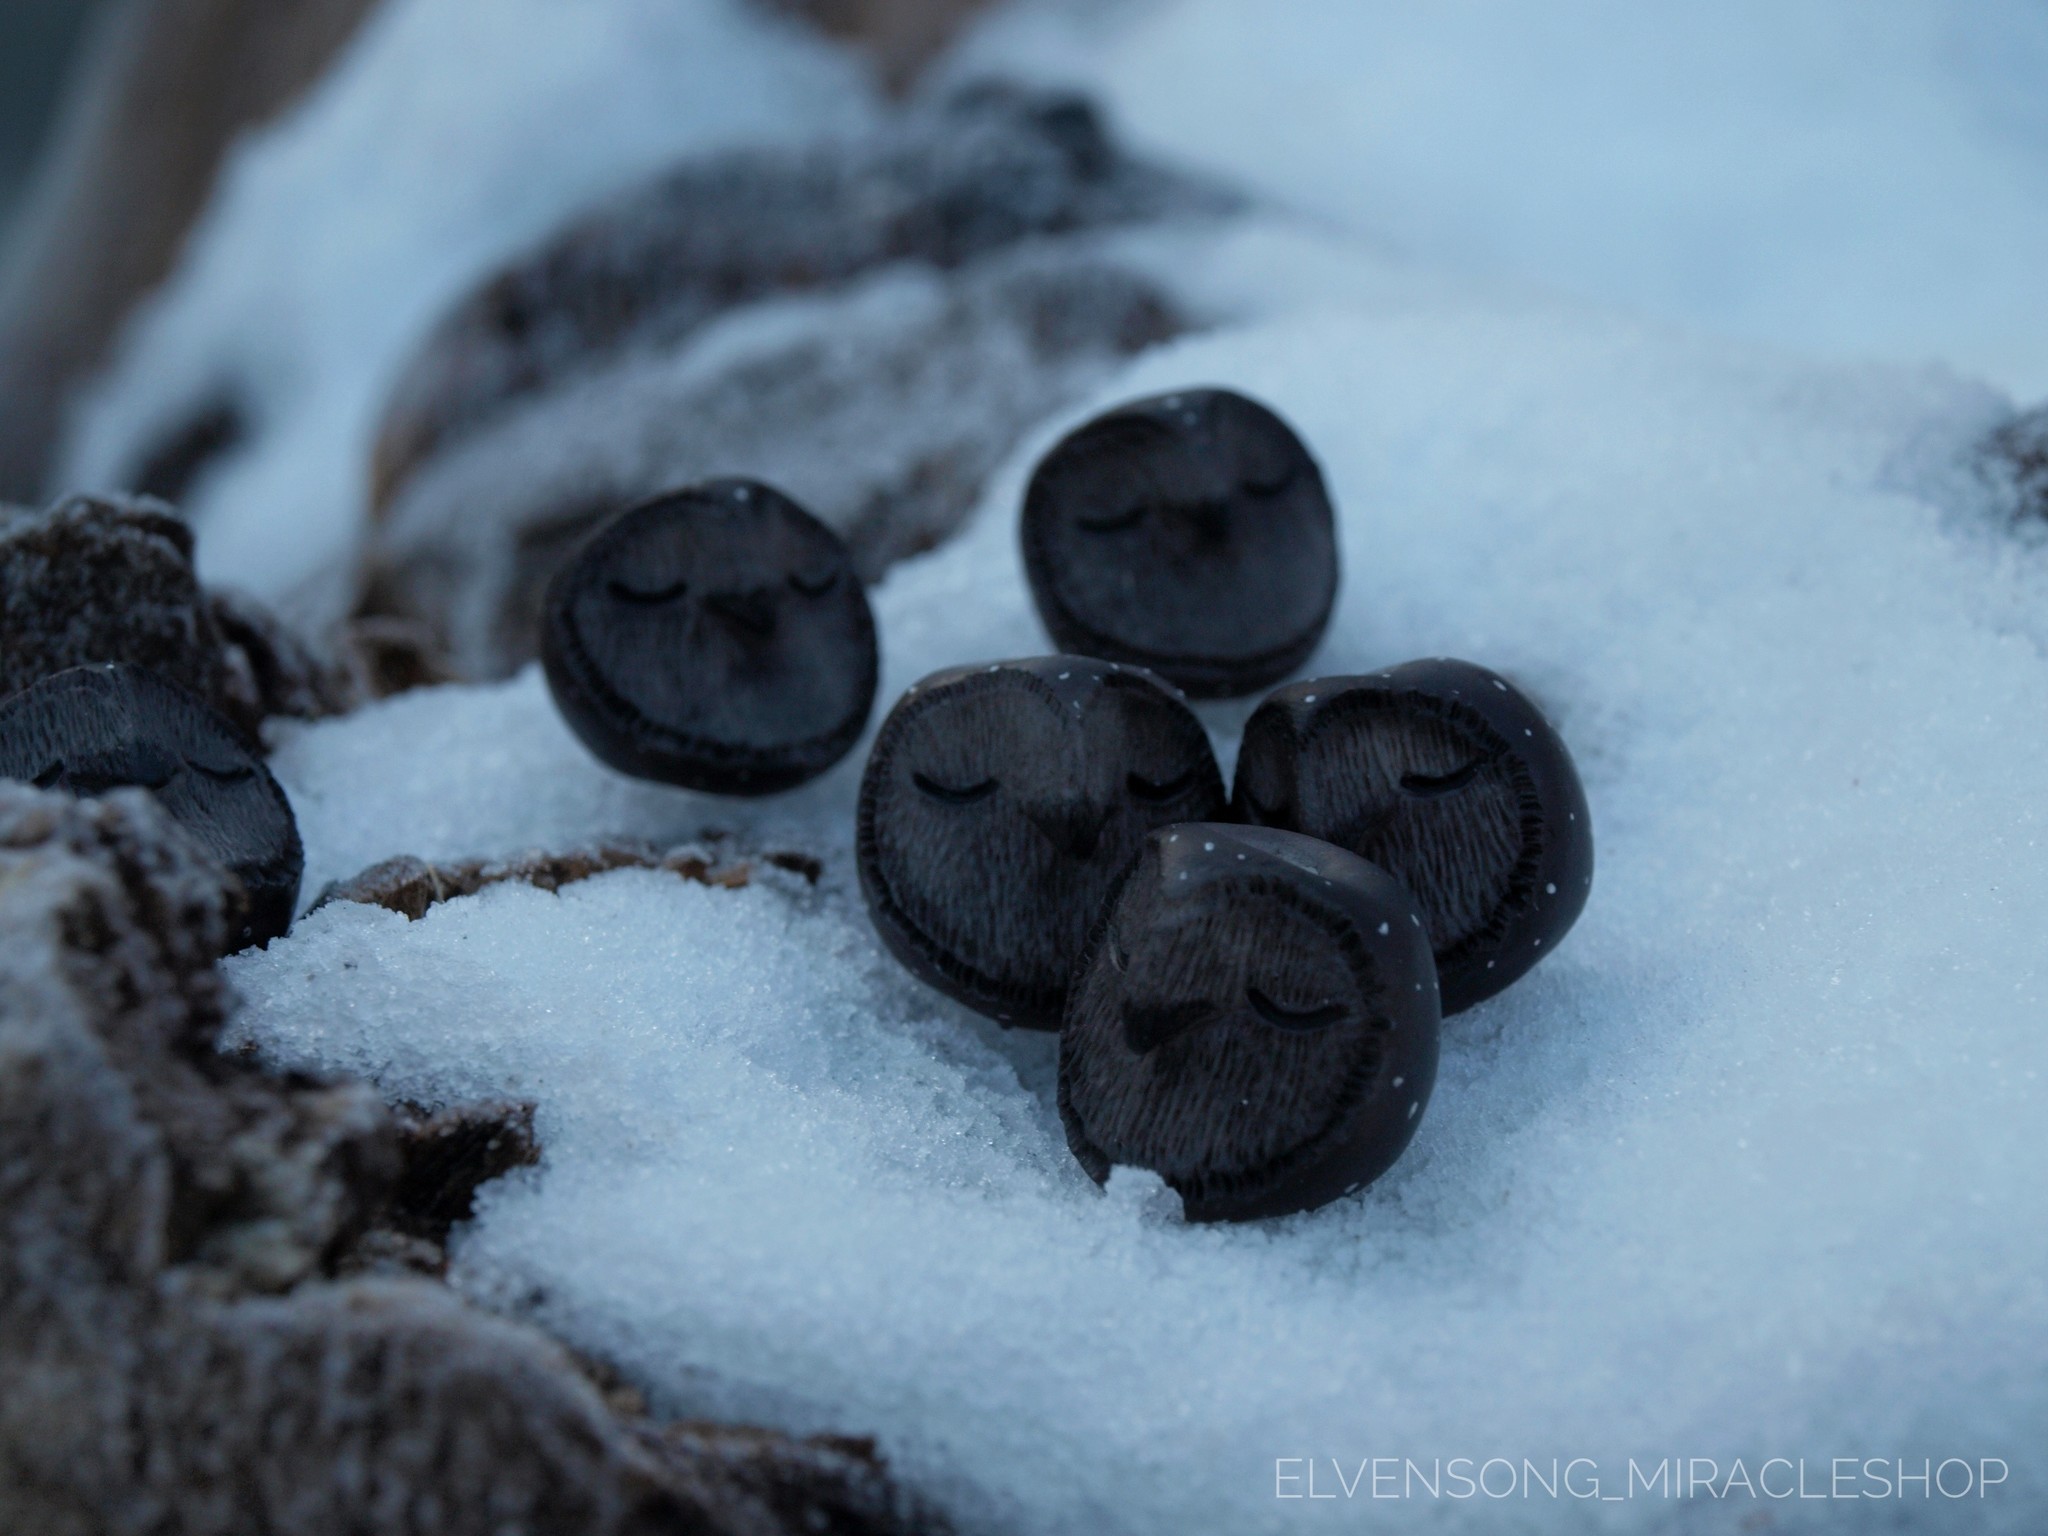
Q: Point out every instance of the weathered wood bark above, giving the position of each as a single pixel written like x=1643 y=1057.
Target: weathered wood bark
x=208 y=1328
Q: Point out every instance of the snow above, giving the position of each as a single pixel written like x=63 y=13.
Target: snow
x=1750 y=1167
x=1864 y=178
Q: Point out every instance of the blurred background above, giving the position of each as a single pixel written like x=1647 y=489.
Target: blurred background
x=38 y=39
x=1856 y=182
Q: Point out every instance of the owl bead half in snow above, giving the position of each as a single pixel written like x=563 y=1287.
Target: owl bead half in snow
x=90 y=729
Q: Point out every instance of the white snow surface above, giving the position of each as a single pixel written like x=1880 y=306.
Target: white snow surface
x=1866 y=178
x=1751 y=1167
x=449 y=136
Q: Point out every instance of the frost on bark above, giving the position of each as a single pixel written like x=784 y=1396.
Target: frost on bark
x=2016 y=459
x=176 y=1353
x=110 y=578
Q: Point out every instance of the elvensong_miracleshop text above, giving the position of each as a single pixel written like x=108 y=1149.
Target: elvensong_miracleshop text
x=1671 y=1477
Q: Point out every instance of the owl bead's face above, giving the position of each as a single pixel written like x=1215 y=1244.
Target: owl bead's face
x=716 y=638
x=95 y=728
x=1447 y=777
x=1188 y=533
x=1000 y=804
x=1255 y=1021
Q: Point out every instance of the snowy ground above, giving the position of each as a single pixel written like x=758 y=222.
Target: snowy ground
x=1750 y=1169
x=1864 y=178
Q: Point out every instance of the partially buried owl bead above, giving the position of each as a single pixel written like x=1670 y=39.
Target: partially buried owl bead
x=715 y=637
x=1445 y=775
x=999 y=805
x=1255 y=1020
x=90 y=729
x=1189 y=533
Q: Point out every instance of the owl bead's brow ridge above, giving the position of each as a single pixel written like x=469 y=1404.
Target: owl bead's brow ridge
x=1255 y=1019
x=714 y=637
x=1451 y=779
x=997 y=810
x=91 y=729
x=1190 y=533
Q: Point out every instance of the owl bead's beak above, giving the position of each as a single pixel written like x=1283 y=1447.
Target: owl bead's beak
x=1209 y=518
x=148 y=767
x=751 y=611
x=1260 y=814
x=1360 y=832
x=1075 y=830
x=1147 y=1026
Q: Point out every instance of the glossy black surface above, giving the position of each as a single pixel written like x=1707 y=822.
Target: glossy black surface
x=1255 y=1020
x=715 y=637
x=999 y=806
x=96 y=728
x=1447 y=776
x=1189 y=533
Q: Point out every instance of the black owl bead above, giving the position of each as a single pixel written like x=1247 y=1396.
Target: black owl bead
x=1255 y=1019
x=999 y=805
x=1448 y=777
x=1189 y=533
x=90 y=729
x=715 y=637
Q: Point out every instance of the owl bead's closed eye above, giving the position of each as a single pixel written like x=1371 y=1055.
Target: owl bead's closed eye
x=1255 y=1020
x=1447 y=776
x=91 y=729
x=1189 y=533
x=999 y=805
x=716 y=638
